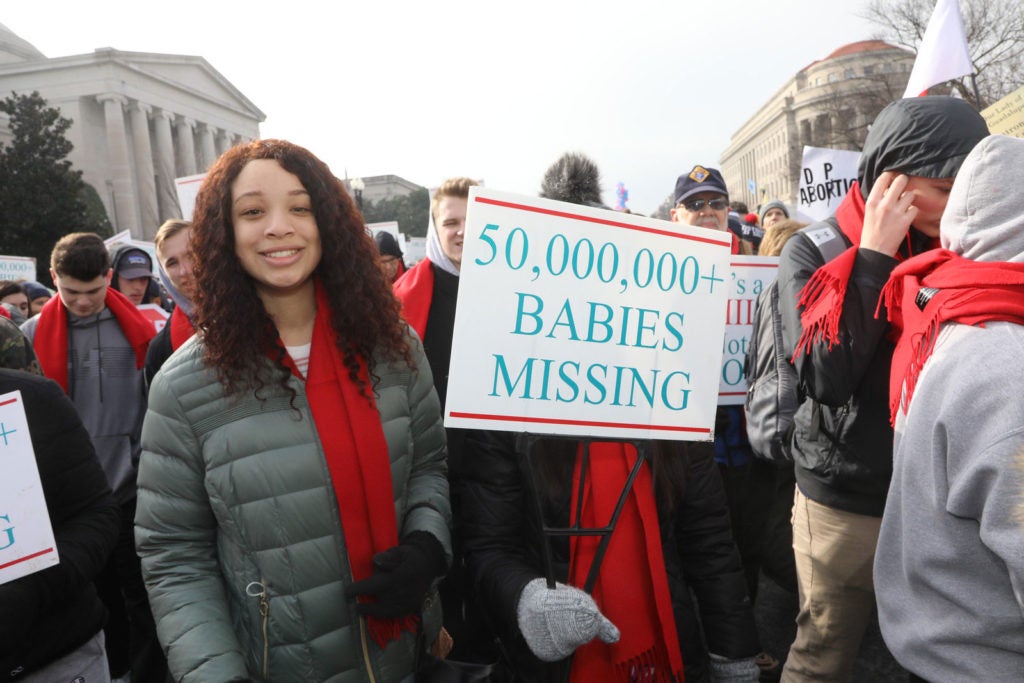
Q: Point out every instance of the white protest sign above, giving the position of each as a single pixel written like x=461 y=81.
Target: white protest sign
x=123 y=237
x=750 y=275
x=586 y=322
x=17 y=268
x=26 y=537
x=825 y=178
x=154 y=314
x=187 y=188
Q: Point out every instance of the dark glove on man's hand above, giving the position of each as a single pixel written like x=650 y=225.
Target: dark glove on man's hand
x=401 y=577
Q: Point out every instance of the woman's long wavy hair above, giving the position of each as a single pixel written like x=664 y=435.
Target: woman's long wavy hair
x=236 y=329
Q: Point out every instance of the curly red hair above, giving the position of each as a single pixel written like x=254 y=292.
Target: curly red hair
x=236 y=330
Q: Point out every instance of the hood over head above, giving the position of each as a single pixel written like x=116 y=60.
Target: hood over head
x=984 y=219
x=920 y=136
x=573 y=178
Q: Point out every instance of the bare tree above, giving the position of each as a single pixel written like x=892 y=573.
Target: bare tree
x=853 y=104
x=995 y=38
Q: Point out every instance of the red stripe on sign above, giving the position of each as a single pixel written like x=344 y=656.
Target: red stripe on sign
x=26 y=558
x=580 y=423
x=733 y=393
x=602 y=221
x=754 y=265
x=8 y=402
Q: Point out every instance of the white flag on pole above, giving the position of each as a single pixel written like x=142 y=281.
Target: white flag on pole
x=943 y=54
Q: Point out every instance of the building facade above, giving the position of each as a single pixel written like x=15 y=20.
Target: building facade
x=140 y=120
x=829 y=103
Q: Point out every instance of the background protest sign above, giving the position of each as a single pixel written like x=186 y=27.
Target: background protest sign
x=750 y=275
x=825 y=177
x=26 y=537
x=1006 y=117
x=17 y=268
x=581 y=321
x=187 y=188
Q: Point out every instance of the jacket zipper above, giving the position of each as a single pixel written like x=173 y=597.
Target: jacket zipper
x=366 y=649
x=257 y=589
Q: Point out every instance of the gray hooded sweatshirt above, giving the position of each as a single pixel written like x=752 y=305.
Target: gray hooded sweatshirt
x=108 y=391
x=949 y=570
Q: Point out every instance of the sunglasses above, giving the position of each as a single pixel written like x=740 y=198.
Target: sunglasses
x=696 y=205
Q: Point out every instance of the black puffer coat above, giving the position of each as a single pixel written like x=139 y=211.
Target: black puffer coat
x=46 y=615
x=503 y=549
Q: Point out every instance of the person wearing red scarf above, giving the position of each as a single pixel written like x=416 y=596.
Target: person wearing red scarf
x=950 y=560
x=293 y=506
x=174 y=260
x=639 y=621
x=92 y=341
x=842 y=440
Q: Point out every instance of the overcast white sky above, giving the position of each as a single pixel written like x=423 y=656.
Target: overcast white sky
x=428 y=90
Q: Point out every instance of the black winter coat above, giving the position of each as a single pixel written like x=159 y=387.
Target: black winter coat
x=842 y=440
x=503 y=550
x=45 y=615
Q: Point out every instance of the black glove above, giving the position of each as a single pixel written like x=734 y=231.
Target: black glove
x=401 y=577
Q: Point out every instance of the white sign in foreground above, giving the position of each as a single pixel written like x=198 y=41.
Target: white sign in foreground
x=586 y=322
x=750 y=275
x=825 y=177
x=26 y=537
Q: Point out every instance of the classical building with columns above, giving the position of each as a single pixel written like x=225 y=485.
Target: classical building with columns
x=140 y=120
x=829 y=103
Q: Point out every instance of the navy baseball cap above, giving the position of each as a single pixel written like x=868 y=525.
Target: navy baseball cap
x=699 y=179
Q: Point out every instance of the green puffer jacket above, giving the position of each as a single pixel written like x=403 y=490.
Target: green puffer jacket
x=235 y=500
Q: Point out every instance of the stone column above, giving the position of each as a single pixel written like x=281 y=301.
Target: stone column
x=167 y=196
x=126 y=215
x=149 y=209
x=186 y=147
x=223 y=141
x=207 y=150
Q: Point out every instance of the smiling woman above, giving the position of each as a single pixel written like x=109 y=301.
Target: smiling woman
x=301 y=406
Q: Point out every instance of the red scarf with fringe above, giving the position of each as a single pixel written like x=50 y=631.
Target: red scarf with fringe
x=351 y=434
x=970 y=292
x=415 y=290
x=821 y=299
x=181 y=328
x=50 y=341
x=632 y=587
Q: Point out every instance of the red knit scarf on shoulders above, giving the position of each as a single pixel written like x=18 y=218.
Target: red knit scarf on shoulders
x=181 y=328
x=821 y=299
x=632 y=587
x=352 y=436
x=51 y=338
x=969 y=292
x=415 y=290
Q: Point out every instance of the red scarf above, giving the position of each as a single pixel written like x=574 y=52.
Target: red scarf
x=415 y=290
x=351 y=434
x=181 y=328
x=821 y=299
x=970 y=292
x=632 y=587
x=51 y=338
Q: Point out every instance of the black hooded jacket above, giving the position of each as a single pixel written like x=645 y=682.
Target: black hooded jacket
x=842 y=439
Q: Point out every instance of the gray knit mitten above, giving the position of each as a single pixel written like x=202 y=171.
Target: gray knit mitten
x=734 y=670
x=556 y=622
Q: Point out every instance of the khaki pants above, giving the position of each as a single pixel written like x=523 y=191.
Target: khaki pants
x=87 y=664
x=835 y=551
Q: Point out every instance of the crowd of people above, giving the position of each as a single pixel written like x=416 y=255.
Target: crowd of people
x=265 y=490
